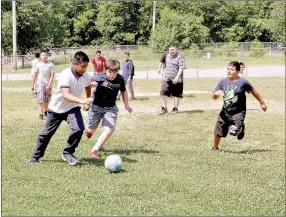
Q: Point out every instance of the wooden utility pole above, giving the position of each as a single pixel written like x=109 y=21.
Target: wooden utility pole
x=154 y=15
x=14 y=36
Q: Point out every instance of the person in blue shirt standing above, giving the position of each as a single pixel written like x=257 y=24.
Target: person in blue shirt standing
x=128 y=74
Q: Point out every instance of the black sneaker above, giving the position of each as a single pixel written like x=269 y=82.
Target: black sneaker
x=34 y=161
x=175 y=110
x=163 y=111
x=71 y=159
x=240 y=135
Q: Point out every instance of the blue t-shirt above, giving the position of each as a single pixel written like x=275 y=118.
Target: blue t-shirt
x=127 y=69
x=234 y=99
x=106 y=91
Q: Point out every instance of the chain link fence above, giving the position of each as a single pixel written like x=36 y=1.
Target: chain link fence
x=212 y=56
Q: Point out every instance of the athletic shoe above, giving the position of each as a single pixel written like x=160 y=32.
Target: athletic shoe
x=214 y=148
x=240 y=135
x=175 y=110
x=93 y=154
x=163 y=111
x=88 y=134
x=33 y=161
x=71 y=159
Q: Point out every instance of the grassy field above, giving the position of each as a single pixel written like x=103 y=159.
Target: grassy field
x=168 y=169
x=145 y=62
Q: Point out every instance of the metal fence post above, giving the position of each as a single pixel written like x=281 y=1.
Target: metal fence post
x=147 y=64
x=197 y=63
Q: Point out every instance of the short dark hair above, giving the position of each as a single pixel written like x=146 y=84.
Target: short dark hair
x=127 y=53
x=37 y=55
x=80 y=57
x=242 y=64
x=112 y=64
x=235 y=64
x=98 y=51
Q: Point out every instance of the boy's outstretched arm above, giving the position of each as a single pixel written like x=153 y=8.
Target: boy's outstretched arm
x=217 y=94
x=125 y=100
x=256 y=94
x=68 y=96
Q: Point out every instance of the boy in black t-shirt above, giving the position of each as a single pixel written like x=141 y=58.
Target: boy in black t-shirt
x=231 y=118
x=104 y=108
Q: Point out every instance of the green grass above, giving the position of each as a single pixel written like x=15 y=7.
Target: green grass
x=151 y=63
x=168 y=169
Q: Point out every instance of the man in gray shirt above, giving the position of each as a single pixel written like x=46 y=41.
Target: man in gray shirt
x=172 y=81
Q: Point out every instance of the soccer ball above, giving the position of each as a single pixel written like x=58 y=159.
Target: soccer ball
x=113 y=163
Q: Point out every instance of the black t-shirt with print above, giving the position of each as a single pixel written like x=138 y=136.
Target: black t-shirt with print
x=106 y=91
x=234 y=99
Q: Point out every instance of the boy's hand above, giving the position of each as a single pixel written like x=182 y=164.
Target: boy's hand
x=86 y=107
x=263 y=107
x=129 y=109
x=219 y=93
x=87 y=101
x=94 y=84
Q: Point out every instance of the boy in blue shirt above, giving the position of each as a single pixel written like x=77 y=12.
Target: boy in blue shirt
x=231 y=118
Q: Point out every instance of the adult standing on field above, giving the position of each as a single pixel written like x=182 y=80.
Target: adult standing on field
x=98 y=63
x=172 y=80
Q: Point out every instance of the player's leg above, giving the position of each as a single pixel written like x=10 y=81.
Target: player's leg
x=95 y=114
x=221 y=129
x=108 y=123
x=164 y=93
x=53 y=121
x=131 y=89
x=76 y=124
x=177 y=93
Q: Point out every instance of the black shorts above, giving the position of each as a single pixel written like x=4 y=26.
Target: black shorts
x=225 y=120
x=169 y=89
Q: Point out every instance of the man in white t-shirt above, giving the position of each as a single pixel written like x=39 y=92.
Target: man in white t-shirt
x=64 y=106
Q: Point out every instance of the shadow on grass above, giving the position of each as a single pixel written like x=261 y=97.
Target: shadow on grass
x=104 y=153
x=141 y=98
x=189 y=95
x=246 y=151
x=191 y=112
x=130 y=151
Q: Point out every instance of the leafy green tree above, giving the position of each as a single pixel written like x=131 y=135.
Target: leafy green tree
x=180 y=30
x=6 y=29
x=39 y=25
x=81 y=28
x=276 y=23
x=118 y=22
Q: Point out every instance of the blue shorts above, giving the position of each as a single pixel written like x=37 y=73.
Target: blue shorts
x=108 y=115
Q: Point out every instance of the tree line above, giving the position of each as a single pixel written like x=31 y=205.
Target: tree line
x=42 y=24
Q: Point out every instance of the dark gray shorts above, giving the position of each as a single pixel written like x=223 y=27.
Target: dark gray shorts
x=225 y=120
x=169 y=89
x=108 y=116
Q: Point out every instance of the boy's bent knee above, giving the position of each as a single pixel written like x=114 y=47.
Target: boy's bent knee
x=109 y=130
x=233 y=130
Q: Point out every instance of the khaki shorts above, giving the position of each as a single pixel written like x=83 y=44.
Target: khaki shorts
x=42 y=95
